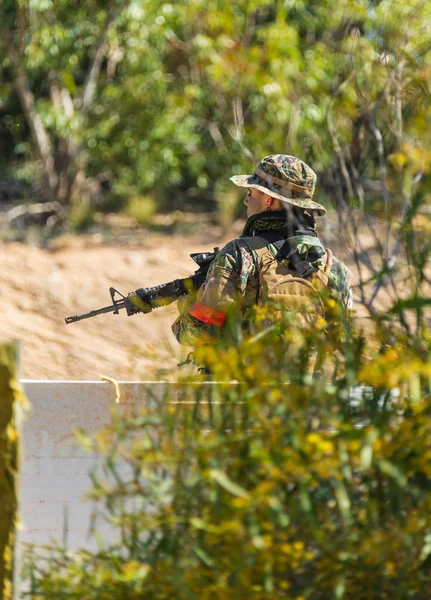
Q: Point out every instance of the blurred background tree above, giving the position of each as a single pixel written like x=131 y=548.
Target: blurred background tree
x=106 y=102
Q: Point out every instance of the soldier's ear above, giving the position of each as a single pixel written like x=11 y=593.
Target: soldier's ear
x=272 y=203
x=269 y=201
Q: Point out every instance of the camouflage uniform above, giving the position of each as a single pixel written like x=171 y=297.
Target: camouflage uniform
x=232 y=283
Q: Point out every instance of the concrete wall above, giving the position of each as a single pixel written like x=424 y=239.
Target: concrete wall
x=54 y=474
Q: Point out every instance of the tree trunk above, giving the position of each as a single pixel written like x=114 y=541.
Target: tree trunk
x=37 y=128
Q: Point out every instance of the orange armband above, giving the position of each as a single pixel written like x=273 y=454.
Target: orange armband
x=207 y=315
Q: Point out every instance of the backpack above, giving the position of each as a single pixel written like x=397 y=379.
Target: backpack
x=281 y=283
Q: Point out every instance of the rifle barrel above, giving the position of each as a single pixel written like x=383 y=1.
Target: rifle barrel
x=97 y=311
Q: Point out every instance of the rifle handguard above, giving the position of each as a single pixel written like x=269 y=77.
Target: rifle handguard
x=162 y=295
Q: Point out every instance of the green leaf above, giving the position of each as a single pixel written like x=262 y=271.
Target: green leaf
x=223 y=480
x=393 y=472
x=208 y=562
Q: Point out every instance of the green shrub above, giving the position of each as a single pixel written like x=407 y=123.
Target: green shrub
x=228 y=201
x=141 y=208
x=81 y=216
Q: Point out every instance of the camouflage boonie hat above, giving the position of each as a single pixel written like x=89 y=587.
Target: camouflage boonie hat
x=284 y=177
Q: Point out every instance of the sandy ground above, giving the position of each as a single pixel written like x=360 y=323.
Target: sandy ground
x=40 y=287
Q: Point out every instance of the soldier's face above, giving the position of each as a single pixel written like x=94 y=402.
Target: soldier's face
x=255 y=202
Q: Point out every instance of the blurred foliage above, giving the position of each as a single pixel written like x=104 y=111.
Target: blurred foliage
x=81 y=217
x=183 y=95
x=141 y=208
x=10 y=394
x=276 y=485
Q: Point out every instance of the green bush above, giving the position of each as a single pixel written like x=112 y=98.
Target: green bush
x=141 y=208
x=81 y=216
x=229 y=203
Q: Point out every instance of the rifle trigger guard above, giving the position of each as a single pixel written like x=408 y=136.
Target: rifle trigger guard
x=113 y=291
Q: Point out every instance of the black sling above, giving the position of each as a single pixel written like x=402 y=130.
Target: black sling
x=285 y=250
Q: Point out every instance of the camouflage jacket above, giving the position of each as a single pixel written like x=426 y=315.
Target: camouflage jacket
x=232 y=283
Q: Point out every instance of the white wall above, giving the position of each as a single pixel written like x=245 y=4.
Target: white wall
x=54 y=471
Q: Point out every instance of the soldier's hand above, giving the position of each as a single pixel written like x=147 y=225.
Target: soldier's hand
x=135 y=304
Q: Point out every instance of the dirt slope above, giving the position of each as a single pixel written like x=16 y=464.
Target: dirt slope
x=42 y=286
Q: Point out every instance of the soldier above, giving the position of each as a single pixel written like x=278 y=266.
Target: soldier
x=278 y=253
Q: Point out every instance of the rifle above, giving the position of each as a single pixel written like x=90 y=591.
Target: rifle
x=156 y=296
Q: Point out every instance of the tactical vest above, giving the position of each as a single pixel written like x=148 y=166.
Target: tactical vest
x=281 y=284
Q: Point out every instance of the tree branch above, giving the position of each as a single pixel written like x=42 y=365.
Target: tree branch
x=96 y=63
x=339 y=153
x=40 y=208
x=389 y=261
x=383 y=174
x=398 y=103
